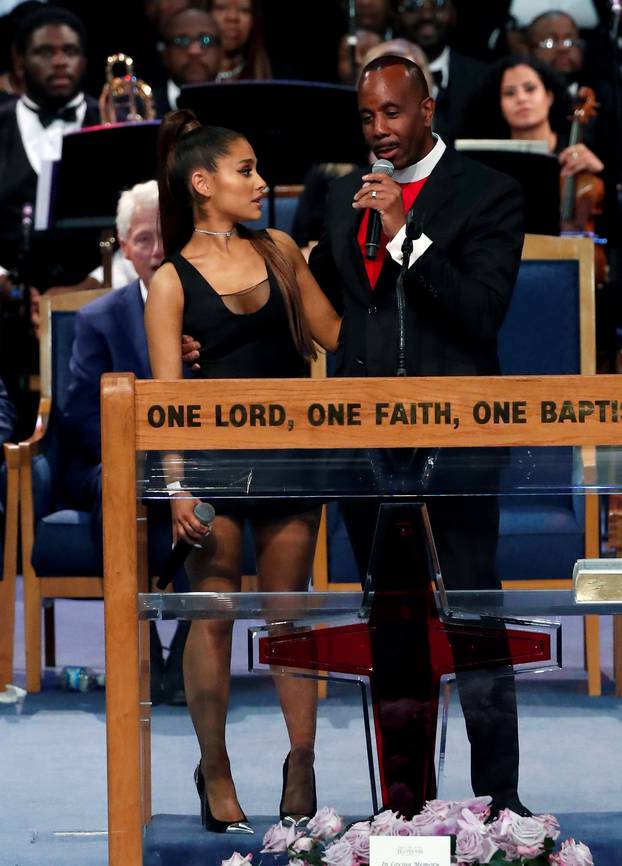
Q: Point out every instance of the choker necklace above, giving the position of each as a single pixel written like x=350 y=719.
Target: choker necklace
x=215 y=234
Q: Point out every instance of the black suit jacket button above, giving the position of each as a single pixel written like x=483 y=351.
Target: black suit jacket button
x=372 y=310
x=359 y=362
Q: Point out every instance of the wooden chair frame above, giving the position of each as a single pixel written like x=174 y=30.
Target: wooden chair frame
x=38 y=589
x=537 y=247
x=9 y=565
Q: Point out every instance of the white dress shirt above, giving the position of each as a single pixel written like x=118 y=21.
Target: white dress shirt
x=441 y=64
x=45 y=143
x=417 y=171
x=172 y=93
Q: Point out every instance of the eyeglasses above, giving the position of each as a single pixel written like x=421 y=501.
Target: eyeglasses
x=411 y=5
x=205 y=40
x=550 y=43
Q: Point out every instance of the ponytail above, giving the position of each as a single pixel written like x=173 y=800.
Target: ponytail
x=184 y=145
x=176 y=219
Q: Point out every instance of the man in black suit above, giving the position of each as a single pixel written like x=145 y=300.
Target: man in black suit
x=457 y=78
x=458 y=287
x=49 y=47
x=191 y=54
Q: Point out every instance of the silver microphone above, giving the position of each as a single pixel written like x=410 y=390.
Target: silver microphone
x=374 y=225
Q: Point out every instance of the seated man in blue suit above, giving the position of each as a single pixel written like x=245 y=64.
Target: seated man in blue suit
x=110 y=337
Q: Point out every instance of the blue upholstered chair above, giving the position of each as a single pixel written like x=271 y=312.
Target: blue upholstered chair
x=59 y=553
x=549 y=329
x=8 y=555
x=59 y=556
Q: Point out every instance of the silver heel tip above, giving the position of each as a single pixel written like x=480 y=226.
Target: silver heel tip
x=240 y=827
x=299 y=823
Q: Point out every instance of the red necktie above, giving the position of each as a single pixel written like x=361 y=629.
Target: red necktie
x=410 y=191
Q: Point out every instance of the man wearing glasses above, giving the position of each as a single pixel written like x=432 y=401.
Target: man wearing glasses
x=457 y=79
x=191 y=54
x=553 y=39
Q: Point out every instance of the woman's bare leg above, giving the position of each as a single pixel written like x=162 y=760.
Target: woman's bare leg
x=207 y=661
x=284 y=550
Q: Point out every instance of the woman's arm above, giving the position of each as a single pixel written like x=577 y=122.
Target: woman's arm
x=321 y=315
x=163 y=319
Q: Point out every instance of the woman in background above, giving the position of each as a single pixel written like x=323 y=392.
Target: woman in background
x=244 y=54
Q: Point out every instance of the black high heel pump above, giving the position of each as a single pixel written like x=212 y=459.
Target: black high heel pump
x=292 y=820
x=207 y=819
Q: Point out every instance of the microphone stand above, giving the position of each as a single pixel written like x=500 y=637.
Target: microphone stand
x=413 y=232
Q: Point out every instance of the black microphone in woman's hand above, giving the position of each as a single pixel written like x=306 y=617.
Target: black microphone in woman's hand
x=372 y=238
x=206 y=514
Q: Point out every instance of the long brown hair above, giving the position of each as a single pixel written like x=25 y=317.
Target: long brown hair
x=184 y=145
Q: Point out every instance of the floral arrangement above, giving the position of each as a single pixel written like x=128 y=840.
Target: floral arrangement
x=509 y=839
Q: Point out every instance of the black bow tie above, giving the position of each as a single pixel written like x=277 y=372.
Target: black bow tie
x=47 y=116
x=437 y=77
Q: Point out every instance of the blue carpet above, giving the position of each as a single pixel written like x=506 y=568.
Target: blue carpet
x=53 y=772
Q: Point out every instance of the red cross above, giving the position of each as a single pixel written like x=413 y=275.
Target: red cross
x=404 y=648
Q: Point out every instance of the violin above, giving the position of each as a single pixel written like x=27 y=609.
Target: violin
x=582 y=194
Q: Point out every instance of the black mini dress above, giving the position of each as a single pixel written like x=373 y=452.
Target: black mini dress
x=245 y=335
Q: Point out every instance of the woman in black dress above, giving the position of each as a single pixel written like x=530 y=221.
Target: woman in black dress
x=250 y=299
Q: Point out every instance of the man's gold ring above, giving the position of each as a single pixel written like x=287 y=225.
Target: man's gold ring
x=374 y=194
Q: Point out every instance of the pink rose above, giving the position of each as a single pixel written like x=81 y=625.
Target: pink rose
x=476 y=805
x=276 y=839
x=403 y=828
x=439 y=809
x=474 y=847
x=573 y=854
x=528 y=835
x=358 y=837
x=424 y=825
x=236 y=859
x=325 y=824
x=551 y=825
x=339 y=854
x=518 y=836
x=302 y=843
x=382 y=825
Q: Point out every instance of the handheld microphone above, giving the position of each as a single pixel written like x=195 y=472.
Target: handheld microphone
x=206 y=514
x=374 y=226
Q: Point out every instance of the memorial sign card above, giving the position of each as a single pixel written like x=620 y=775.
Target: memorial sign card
x=409 y=851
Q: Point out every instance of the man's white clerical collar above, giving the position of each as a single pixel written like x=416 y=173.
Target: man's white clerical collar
x=423 y=168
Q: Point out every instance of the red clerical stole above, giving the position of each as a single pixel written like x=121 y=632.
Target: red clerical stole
x=410 y=191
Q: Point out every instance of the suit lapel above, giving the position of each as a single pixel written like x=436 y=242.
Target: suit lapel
x=346 y=231
x=133 y=311
x=427 y=209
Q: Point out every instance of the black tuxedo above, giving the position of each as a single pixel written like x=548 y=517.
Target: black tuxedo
x=19 y=186
x=457 y=294
x=453 y=103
